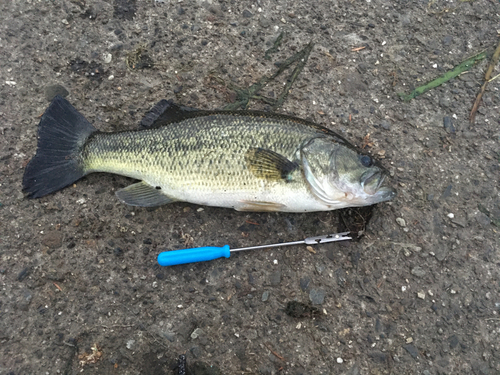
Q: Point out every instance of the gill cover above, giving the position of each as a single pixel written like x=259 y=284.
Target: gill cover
x=316 y=160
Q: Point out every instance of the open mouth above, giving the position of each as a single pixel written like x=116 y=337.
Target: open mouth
x=372 y=182
x=373 y=185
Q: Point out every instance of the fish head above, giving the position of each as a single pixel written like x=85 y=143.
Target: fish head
x=341 y=177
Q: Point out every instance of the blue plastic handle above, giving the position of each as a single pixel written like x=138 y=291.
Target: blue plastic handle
x=200 y=254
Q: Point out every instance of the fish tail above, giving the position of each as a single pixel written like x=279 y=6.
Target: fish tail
x=62 y=133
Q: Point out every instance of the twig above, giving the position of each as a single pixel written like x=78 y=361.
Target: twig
x=493 y=62
x=274 y=48
x=462 y=67
x=244 y=95
x=272 y=351
x=495 y=77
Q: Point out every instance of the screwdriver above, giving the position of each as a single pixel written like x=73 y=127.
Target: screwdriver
x=201 y=254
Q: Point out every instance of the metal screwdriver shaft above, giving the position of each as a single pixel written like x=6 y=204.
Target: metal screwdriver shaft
x=200 y=254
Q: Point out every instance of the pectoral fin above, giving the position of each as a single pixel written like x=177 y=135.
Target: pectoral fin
x=269 y=165
x=144 y=195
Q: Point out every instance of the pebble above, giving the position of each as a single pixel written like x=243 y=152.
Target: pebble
x=378 y=356
x=340 y=360
x=52 y=90
x=53 y=239
x=444 y=102
x=385 y=125
x=401 y=221
x=170 y=336
x=264 y=22
x=447 y=192
x=412 y=350
x=304 y=283
x=107 y=57
x=317 y=296
x=421 y=295
x=247 y=14
x=418 y=271
x=483 y=219
x=275 y=278
x=196 y=333
x=265 y=296
x=448 y=125
x=195 y=351
x=130 y=344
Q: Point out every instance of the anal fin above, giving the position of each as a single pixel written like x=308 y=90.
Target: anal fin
x=260 y=206
x=143 y=195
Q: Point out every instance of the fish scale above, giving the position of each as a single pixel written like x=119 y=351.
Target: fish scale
x=173 y=155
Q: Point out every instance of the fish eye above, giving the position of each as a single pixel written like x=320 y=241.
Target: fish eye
x=366 y=161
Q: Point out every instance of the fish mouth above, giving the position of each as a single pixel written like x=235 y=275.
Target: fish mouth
x=373 y=185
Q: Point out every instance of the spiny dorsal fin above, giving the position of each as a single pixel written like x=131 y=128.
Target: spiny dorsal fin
x=268 y=164
x=165 y=112
x=144 y=195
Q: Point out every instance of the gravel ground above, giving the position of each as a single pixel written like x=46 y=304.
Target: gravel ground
x=418 y=294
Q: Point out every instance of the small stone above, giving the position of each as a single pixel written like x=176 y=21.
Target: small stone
x=304 y=283
x=448 y=125
x=447 y=192
x=421 y=295
x=52 y=240
x=378 y=356
x=401 y=221
x=195 y=351
x=320 y=268
x=340 y=360
x=275 y=278
x=444 y=102
x=130 y=344
x=196 y=333
x=265 y=296
x=170 y=336
x=447 y=40
x=53 y=90
x=23 y=274
x=107 y=57
x=483 y=219
x=412 y=350
x=247 y=14
x=264 y=22
x=317 y=296
x=418 y=271
x=453 y=341
x=385 y=125
x=451 y=215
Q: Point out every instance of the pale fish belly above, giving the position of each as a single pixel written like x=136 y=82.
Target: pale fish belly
x=265 y=196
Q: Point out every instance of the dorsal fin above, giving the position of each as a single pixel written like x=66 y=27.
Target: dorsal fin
x=165 y=112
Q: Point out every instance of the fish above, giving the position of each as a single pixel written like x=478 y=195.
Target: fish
x=245 y=160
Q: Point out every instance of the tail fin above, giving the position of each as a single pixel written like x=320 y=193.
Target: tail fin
x=62 y=132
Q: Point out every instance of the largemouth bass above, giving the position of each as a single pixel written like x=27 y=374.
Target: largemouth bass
x=246 y=160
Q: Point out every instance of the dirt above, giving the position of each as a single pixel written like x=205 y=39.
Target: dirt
x=417 y=294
